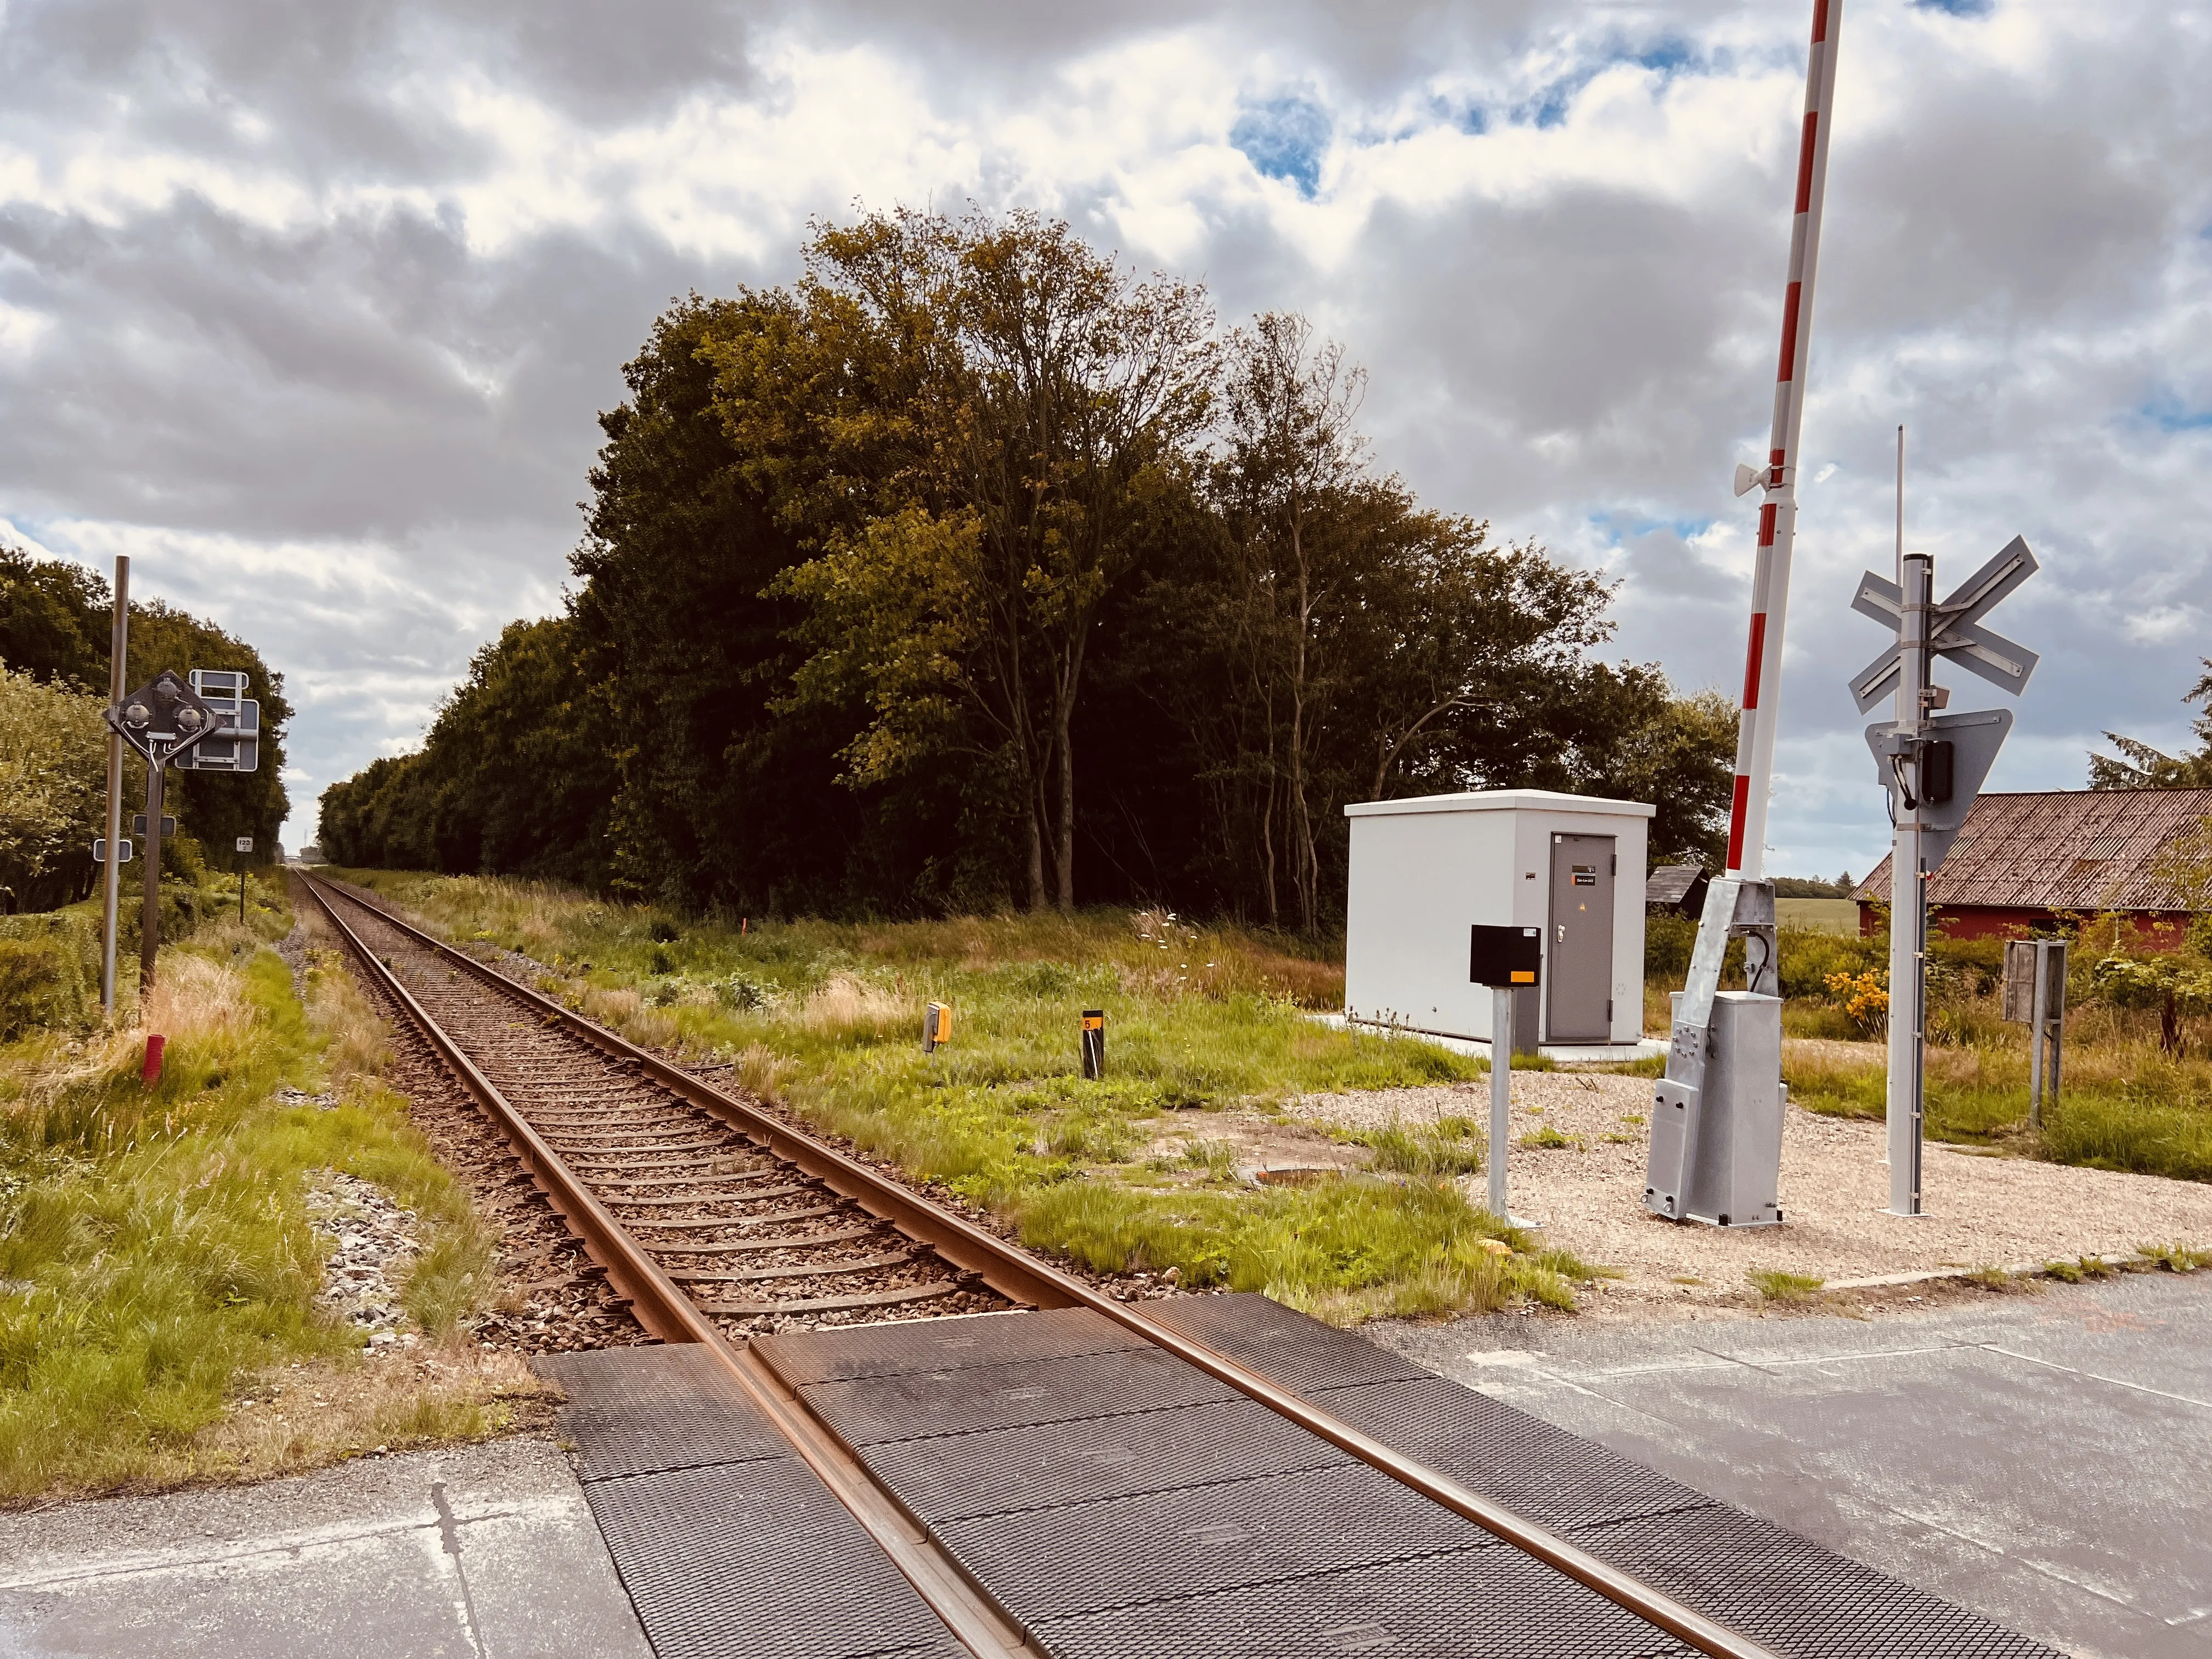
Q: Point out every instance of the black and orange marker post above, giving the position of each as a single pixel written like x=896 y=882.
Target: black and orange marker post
x=1506 y=959
x=1094 y=1044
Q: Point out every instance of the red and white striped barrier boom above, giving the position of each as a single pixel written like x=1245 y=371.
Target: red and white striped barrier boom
x=1777 y=514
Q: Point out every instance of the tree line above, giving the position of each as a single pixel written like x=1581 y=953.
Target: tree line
x=971 y=569
x=54 y=641
x=2140 y=766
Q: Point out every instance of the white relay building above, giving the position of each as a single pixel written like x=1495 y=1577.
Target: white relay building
x=1425 y=870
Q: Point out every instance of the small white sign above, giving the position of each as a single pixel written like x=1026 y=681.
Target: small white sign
x=246 y=844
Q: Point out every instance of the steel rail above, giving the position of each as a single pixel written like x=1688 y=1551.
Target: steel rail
x=1004 y=1267
x=966 y=1609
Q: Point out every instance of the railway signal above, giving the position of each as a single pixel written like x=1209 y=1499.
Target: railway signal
x=235 y=743
x=1728 y=1135
x=1933 y=766
x=162 y=719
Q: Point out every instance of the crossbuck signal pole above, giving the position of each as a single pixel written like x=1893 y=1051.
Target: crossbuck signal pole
x=1907 y=1103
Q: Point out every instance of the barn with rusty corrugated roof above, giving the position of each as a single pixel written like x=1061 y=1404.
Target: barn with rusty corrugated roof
x=2026 y=862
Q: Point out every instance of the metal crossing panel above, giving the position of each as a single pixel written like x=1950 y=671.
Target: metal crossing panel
x=630 y=1415
x=939 y=1345
x=1484 y=1604
x=918 y=1405
x=958 y=1477
x=725 y=1541
x=1118 y=1503
x=1303 y=1354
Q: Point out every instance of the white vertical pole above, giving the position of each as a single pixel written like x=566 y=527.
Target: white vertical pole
x=111 y=880
x=1908 y=902
x=1900 y=505
x=1777 y=514
x=1501 y=1094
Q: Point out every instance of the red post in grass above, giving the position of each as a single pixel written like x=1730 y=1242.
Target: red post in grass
x=150 y=1072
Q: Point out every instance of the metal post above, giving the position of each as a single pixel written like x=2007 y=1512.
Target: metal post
x=111 y=880
x=1908 y=898
x=149 y=919
x=1900 y=573
x=2038 y=1019
x=1501 y=1094
x=2050 y=985
x=241 y=890
x=1777 y=514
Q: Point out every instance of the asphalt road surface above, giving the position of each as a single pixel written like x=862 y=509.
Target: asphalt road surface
x=2043 y=1458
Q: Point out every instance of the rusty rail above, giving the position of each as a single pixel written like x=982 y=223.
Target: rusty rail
x=1012 y=1272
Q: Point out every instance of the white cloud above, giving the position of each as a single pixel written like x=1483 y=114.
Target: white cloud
x=315 y=323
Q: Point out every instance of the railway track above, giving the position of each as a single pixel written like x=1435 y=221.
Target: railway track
x=715 y=1221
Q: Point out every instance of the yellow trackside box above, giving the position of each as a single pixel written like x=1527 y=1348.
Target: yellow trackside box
x=936 y=1026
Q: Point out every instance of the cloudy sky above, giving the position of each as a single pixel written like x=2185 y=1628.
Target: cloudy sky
x=309 y=308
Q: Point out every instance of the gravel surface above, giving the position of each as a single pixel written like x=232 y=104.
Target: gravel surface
x=1982 y=1211
x=372 y=1240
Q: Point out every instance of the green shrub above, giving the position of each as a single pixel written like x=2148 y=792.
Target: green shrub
x=1808 y=958
x=49 y=971
x=1668 y=937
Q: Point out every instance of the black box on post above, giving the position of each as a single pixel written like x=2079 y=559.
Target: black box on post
x=1508 y=956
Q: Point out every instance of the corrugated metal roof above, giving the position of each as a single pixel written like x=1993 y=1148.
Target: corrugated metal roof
x=2062 y=849
x=1670 y=883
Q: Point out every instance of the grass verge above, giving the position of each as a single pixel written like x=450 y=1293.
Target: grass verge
x=157 y=1264
x=1120 y=1175
x=1776 y=1286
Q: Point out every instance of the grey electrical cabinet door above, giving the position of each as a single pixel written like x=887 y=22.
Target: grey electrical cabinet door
x=1578 y=991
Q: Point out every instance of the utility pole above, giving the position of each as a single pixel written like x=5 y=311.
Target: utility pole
x=119 y=652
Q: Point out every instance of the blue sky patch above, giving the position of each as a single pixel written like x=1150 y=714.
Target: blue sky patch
x=1620 y=523
x=1670 y=55
x=1958 y=8
x=1285 y=137
x=2169 y=413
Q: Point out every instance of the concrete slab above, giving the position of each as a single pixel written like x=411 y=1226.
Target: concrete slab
x=2041 y=1459
x=476 y=1552
x=1583 y=1053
